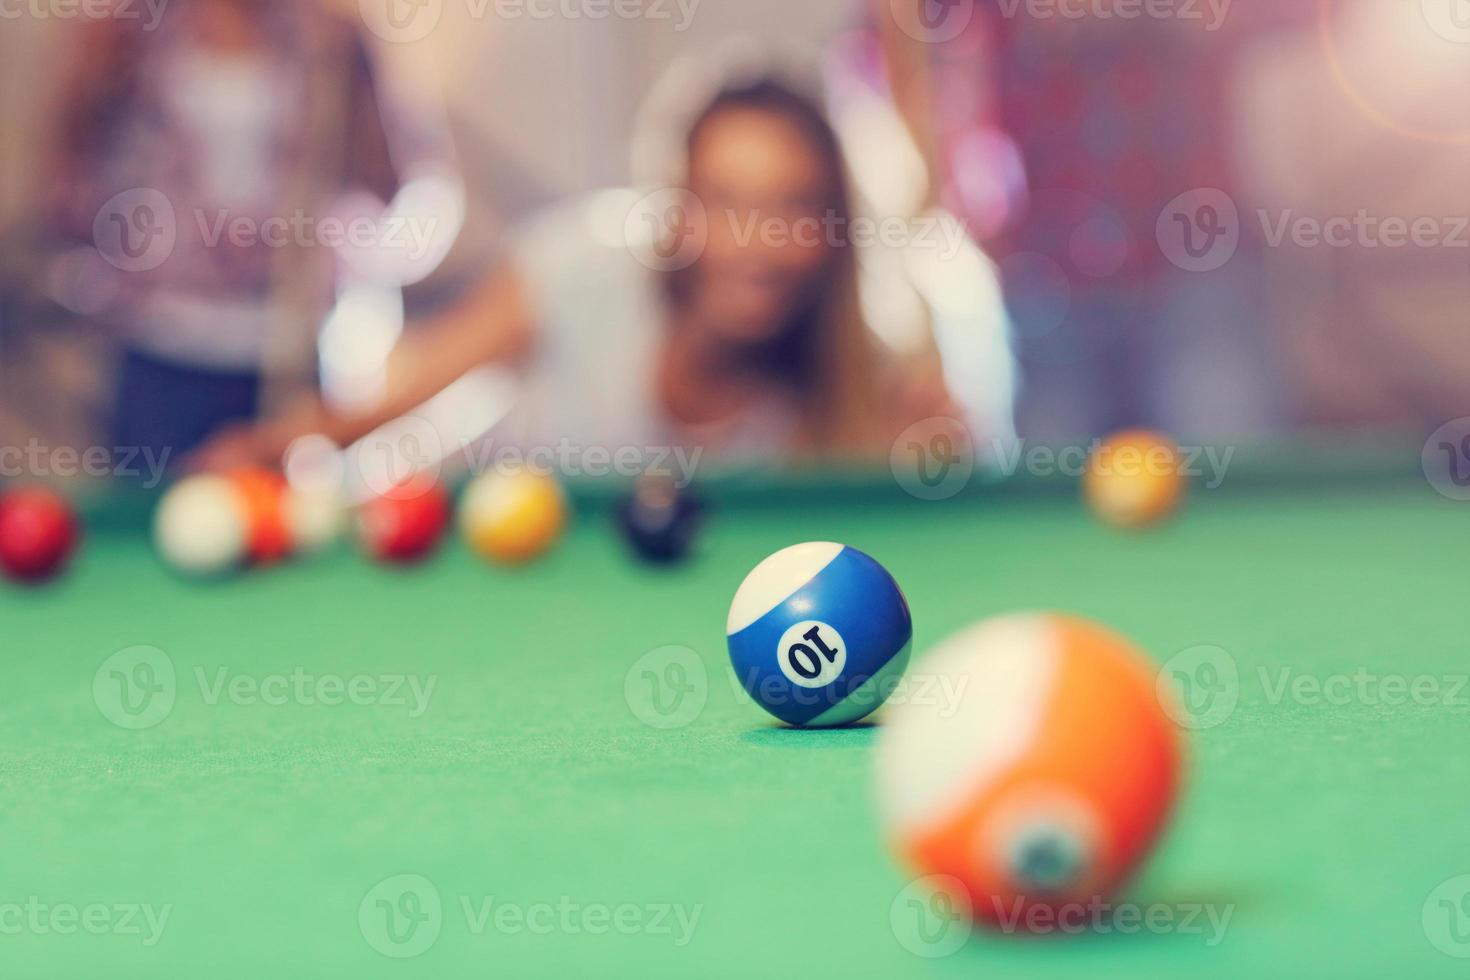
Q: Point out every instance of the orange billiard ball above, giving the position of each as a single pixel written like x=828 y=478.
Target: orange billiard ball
x=1135 y=479
x=1043 y=780
x=262 y=494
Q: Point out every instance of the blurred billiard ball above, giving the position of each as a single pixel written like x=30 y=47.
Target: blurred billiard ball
x=406 y=524
x=660 y=521
x=38 y=533
x=1048 y=777
x=513 y=517
x=1135 y=480
x=202 y=527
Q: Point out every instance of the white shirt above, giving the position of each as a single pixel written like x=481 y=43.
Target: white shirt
x=600 y=318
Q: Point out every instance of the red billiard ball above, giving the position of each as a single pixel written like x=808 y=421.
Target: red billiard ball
x=38 y=533
x=405 y=524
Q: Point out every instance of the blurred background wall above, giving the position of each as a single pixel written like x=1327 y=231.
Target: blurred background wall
x=1342 y=109
x=539 y=108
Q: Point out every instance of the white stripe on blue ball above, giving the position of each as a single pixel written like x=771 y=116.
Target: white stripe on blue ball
x=770 y=582
x=819 y=634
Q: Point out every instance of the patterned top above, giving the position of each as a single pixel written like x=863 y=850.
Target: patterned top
x=206 y=179
x=1067 y=136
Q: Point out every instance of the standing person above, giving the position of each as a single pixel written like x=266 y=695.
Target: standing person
x=230 y=115
x=1062 y=138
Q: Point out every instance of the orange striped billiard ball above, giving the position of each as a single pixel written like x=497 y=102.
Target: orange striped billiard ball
x=1135 y=479
x=1044 y=781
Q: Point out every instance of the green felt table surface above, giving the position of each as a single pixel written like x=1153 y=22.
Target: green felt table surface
x=563 y=835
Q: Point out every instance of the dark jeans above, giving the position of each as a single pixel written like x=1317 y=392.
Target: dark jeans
x=166 y=407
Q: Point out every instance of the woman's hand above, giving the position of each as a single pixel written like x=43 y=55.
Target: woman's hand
x=234 y=447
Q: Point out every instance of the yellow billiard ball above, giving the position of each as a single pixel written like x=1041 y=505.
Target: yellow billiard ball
x=513 y=517
x=1135 y=479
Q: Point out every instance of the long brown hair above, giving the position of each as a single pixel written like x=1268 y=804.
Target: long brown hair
x=823 y=355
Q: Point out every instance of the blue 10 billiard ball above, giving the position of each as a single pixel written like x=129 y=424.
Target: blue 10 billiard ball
x=819 y=634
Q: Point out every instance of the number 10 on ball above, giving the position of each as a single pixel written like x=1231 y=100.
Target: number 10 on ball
x=819 y=634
